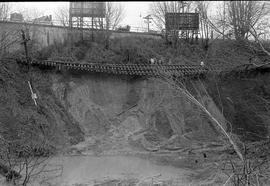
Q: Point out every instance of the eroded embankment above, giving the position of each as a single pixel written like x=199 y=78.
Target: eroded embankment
x=134 y=111
x=121 y=112
x=109 y=112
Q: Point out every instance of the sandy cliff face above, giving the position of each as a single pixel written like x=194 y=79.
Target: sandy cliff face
x=146 y=111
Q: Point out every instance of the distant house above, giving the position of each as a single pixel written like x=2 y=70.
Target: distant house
x=16 y=17
x=46 y=20
x=124 y=28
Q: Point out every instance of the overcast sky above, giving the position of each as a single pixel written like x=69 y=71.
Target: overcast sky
x=133 y=10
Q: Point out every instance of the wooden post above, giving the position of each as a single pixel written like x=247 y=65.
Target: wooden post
x=25 y=40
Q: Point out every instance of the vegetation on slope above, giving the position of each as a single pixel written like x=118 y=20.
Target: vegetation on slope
x=17 y=104
x=224 y=53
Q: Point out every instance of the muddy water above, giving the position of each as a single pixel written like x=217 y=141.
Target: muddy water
x=91 y=169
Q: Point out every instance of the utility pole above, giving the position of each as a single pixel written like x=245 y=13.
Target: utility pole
x=24 y=42
x=25 y=39
x=223 y=25
x=148 y=17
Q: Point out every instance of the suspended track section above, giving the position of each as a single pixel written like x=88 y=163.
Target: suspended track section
x=125 y=69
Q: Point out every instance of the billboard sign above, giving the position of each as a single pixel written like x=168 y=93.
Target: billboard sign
x=182 y=21
x=87 y=9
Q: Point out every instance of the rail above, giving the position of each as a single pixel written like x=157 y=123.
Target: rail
x=154 y=70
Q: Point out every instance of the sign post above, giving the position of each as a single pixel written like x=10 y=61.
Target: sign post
x=181 y=21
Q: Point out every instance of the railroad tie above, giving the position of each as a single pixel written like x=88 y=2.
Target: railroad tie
x=143 y=72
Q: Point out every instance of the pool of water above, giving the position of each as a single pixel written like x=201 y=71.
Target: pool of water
x=89 y=169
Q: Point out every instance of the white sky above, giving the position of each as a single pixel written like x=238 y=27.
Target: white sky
x=133 y=10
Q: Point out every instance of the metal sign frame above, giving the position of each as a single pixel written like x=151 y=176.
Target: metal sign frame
x=181 y=21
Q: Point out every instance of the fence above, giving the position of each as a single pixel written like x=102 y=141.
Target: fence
x=88 y=25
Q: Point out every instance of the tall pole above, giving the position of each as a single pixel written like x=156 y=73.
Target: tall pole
x=92 y=24
x=148 y=21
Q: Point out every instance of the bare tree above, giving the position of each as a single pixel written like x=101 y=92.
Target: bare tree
x=8 y=34
x=114 y=14
x=205 y=27
x=62 y=16
x=4 y=11
x=25 y=147
x=242 y=15
x=221 y=20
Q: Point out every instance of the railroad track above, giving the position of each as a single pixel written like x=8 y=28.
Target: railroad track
x=126 y=69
